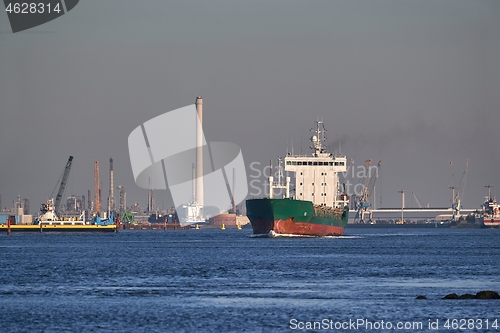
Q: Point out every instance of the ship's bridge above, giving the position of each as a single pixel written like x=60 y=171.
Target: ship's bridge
x=316 y=178
x=335 y=164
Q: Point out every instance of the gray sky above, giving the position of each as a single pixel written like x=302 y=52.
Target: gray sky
x=415 y=84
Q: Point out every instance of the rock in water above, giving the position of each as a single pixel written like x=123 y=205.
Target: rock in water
x=487 y=294
x=421 y=297
x=451 y=296
x=467 y=296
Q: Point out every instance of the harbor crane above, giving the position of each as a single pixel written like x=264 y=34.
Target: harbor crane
x=362 y=202
x=456 y=196
x=62 y=185
x=419 y=203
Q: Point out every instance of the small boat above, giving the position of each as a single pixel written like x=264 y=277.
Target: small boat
x=190 y=214
x=489 y=216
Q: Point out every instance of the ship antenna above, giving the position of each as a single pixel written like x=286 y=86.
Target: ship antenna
x=340 y=145
x=318 y=138
x=301 y=142
x=279 y=171
x=489 y=190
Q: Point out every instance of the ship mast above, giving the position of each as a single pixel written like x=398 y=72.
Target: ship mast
x=489 y=190
x=318 y=138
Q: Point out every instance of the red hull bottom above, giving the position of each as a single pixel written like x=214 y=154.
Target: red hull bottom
x=289 y=227
x=492 y=223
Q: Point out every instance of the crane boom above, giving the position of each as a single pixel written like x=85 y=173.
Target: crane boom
x=456 y=202
x=62 y=186
x=373 y=179
x=417 y=200
x=362 y=202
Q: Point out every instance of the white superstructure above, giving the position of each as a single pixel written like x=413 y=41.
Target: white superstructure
x=190 y=214
x=316 y=175
x=48 y=216
x=489 y=216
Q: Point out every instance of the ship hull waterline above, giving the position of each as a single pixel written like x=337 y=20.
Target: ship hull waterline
x=274 y=217
x=488 y=222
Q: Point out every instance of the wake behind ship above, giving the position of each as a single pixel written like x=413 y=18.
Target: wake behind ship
x=319 y=206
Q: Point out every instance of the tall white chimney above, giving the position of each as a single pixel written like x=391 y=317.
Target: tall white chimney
x=199 y=153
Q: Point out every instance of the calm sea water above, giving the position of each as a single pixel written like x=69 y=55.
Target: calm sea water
x=226 y=281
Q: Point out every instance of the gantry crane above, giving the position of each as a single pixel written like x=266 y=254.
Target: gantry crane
x=362 y=203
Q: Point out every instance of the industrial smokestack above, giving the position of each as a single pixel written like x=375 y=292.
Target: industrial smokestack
x=111 y=199
x=89 y=202
x=234 y=191
x=151 y=200
x=26 y=206
x=199 y=153
x=193 y=171
x=97 y=188
x=123 y=198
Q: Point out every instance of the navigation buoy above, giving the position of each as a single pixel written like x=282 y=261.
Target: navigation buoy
x=223 y=227
x=197 y=227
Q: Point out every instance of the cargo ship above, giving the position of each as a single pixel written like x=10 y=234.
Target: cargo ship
x=319 y=206
x=190 y=215
x=489 y=216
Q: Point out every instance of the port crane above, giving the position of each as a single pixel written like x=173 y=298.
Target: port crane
x=419 y=203
x=456 y=196
x=128 y=217
x=362 y=202
x=62 y=184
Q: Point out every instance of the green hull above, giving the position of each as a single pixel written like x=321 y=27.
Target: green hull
x=288 y=216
